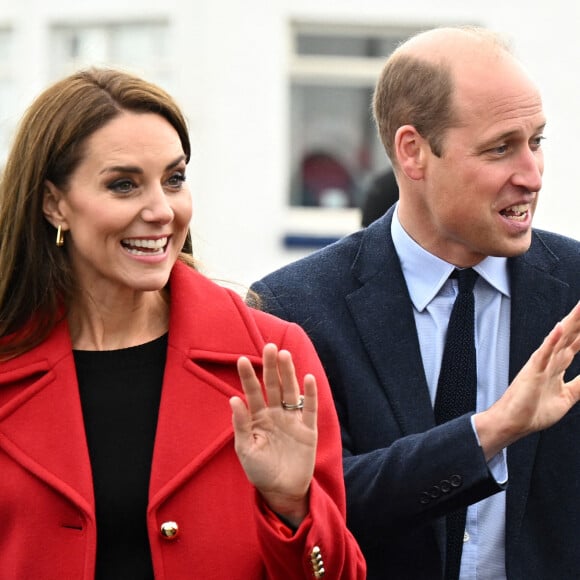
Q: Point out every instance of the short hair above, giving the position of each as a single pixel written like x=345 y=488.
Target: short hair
x=416 y=89
x=36 y=280
x=413 y=92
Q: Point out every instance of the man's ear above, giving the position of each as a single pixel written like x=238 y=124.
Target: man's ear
x=410 y=148
x=51 y=205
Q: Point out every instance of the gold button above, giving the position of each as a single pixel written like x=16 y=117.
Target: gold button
x=169 y=530
x=317 y=562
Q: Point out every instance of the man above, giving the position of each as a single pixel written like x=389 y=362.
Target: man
x=462 y=124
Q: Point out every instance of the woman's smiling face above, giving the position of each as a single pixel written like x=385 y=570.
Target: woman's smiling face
x=126 y=209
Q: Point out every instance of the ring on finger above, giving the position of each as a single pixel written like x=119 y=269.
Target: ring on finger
x=297 y=407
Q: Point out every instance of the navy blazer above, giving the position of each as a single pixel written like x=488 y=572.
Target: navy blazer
x=352 y=300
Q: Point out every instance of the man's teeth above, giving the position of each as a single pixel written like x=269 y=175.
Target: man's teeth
x=136 y=246
x=516 y=212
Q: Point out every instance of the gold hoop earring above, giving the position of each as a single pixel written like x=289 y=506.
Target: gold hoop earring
x=59 y=237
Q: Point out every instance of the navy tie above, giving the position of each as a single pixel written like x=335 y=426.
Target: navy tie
x=457 y=392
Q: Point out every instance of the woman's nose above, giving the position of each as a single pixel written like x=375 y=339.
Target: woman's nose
x=157 y=208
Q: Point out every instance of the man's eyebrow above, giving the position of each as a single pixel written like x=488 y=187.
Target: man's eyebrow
x=513 y=132
x=507 y=135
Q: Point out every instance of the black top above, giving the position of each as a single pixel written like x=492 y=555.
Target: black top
x=120 y=393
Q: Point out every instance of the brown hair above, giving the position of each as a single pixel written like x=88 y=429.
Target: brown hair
x=36 y=280
x=416 y=88
x=412 y=91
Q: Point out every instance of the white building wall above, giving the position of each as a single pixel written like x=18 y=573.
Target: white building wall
x=229 y=63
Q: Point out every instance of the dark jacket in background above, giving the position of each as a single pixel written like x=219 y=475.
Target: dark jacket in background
x=381 y=195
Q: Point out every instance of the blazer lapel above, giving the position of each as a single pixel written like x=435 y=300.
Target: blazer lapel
x=538 y=302
x=209 y=329
x=383 y=315
x=41 y=422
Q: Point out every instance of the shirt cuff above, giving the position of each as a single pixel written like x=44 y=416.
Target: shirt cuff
x=497 y=464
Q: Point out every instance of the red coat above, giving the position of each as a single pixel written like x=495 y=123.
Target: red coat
x=47 y=509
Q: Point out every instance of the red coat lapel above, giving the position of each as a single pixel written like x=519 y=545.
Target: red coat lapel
x=41 y=423
x=209 y=329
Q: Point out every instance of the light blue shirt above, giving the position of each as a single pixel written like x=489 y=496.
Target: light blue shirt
x=433 y=295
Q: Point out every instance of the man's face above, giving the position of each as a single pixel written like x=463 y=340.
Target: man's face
x=479 y=197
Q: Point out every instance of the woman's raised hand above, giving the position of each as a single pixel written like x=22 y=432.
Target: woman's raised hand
x=276 y=432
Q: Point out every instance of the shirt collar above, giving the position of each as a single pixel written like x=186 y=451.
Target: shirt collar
x=425 y=273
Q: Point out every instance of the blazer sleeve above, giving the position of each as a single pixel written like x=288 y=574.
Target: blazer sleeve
x=322 y=540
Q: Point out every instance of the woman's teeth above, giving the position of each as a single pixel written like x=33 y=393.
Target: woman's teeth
x=145 y=246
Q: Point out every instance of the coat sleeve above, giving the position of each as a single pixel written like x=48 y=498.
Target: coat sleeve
x=322 y=544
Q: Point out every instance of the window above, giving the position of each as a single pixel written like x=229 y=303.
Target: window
x=334 y=147
x=138 y=46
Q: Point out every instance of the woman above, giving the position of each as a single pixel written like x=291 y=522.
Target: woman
x=117 y=451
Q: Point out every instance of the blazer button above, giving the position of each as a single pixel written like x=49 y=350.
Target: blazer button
x=317 y=563
x=445 y=486
x=456 y=480
x=169 y=530
x=434 y=492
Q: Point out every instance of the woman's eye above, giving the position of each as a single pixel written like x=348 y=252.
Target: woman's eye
x=121 y=186
x=176 y=180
